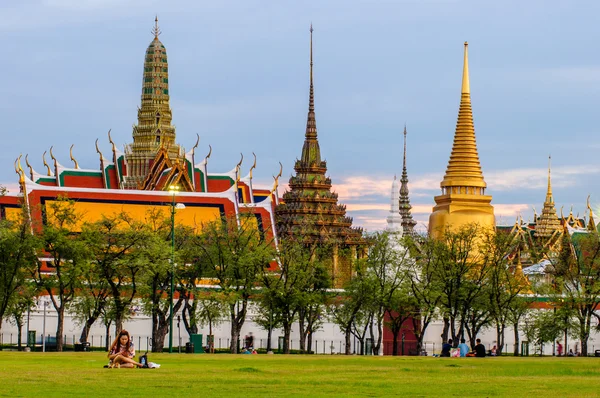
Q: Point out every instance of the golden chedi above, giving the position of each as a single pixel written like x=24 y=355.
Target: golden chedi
x=463 y=200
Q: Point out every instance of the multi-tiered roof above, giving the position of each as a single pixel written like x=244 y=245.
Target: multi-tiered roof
x=310 y=210
x=154 y=131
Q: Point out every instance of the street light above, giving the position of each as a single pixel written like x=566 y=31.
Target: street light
x=173 y=189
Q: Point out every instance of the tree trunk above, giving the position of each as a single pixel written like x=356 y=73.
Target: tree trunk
x=395 y=333
x=19 y=334
x=287 y=329
x=60 y=328
x=347 y=340
x=309 y=343
x=500 y=338
x=445 y=330
x=107 y=339
x=211 y=345
x=303 y=330
x=516 y=332
x=85 y=332
x=269 y=339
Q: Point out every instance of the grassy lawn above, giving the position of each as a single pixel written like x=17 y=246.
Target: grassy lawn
x=181 y=375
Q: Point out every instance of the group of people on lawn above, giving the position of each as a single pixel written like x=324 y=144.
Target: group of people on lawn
x=463 y=350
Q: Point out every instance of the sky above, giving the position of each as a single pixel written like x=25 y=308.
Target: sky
x=72 y=70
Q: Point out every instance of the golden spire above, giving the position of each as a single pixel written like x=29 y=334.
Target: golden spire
x=464 y=170
x=549 y=198
x=466 y=89
x=549 y=221
x=156 y=30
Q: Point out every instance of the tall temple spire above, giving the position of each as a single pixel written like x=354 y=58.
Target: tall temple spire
x=463 y=199
x=311 y=152
x=310 y=211
x=408 y=224
x=548 y=222
x=153 y=130
x=464 y=169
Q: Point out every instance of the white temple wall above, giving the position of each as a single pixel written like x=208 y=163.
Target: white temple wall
x=328 y=339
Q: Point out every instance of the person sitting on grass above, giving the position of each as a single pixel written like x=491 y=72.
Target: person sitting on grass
x=122 y=352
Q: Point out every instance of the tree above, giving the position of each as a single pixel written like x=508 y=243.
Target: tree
x=18 y=251
x=576 y=276
x=21 y=303
x=155 y=286
x=505 y=283
x=387 y=265
x=461 y=274
x=114 y=241
x=212 y=311
x=424 y=283
x=344 y=309
x=236 y=253
x=68 y=258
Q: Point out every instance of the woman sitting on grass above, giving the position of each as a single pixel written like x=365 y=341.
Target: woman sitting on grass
x=122 y=352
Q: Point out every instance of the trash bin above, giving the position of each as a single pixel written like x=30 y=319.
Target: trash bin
x=189 y=348
x=196 y=340
x=31 y=339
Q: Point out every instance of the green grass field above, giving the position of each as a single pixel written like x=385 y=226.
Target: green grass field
x=81 y=374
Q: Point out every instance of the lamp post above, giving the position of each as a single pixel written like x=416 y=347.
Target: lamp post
x=173 y=190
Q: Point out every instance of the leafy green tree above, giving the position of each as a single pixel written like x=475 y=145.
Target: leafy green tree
x=212 y=311
x=387 y=266
x=462 y=276
x=424 y=283
x=68 y=257
x=236 y=253
x=344 y=310
x=114 y=242
x=21 y=303
x=504 y=284
x=18 y=250
x=576 y=273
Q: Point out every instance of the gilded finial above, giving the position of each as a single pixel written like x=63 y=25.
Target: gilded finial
x=197 y=142
x=549 y=191
x=588 y=203
x=209 y=152
x=28 y=165
x=240 y=163
x=276 y=178
x=253 y=166
x=20 y=171
x=562 y=217
x=156 y=30
x=114 y=147
x=466 y=89
x=72 y=158
x=48 y=172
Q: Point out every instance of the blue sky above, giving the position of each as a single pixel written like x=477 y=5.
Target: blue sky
x=72 y=70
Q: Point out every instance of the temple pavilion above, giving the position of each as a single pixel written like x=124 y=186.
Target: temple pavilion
x=148 y=172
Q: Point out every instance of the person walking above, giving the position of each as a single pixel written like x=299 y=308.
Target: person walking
x=559 y=349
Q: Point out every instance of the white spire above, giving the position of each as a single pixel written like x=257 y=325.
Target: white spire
x=394 y=219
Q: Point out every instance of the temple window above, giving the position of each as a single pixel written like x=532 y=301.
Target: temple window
x=158 y=139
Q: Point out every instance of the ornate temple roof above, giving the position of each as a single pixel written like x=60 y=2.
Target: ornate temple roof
x=408 y=224
x=464 y=169
x=310 y=209
x=153 y=129
x=548 y=223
